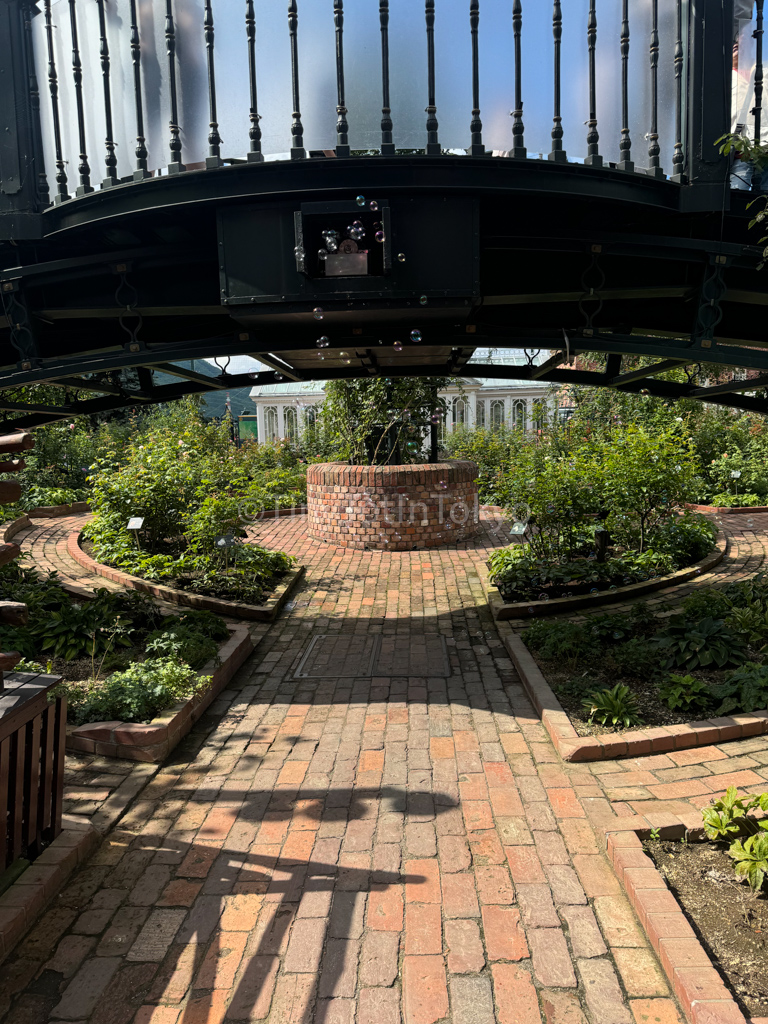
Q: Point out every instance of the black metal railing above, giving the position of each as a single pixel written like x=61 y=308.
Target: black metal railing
x=626 y=68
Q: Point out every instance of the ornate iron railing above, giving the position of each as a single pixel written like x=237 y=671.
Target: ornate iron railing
x=136 y=79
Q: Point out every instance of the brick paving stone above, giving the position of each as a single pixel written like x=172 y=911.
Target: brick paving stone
x=425 y=994
x=472 y=1001
x=655 y=1011
x=561 y=1007
x=516 y=999
x=640 y=972
x=504 y=936
x=551 y=959
x=602 y=992
x=465 y=947
x=583 y=932
x=378 y=958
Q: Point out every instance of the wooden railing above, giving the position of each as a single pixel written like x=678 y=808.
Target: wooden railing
x=32 y=739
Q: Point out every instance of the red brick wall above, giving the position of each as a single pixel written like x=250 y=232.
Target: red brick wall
x=428 y=506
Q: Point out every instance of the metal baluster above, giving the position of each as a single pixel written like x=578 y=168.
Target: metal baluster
x=255 y=156
x=43 y=192
x=433 y=145
x=653 y=136
x=110 y=160
x=518 y=129
x=387 y=145
x=557 y=153
x=593 y=158
x=757 y=110
x=83 y=168
x=342 y=127
x=297 y=129
x=214 y=139
x=53 y=85
x=175 y=166
x=625 y=145
x=678 y=158
x=476 y=126
x=141 y=171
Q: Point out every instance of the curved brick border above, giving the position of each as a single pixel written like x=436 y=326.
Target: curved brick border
x=736 y=509
x=572 y=747
x=341 y=499
x=502 y=609
x=156 y=739
x=235 y=609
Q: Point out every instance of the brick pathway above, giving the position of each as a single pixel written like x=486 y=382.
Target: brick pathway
x=362 y=850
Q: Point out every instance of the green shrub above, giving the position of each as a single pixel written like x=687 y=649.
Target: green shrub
x=616 y=706
x=699 y=644
x=751 y=858
x=687 y=538
x=686 y=693
x=745 y=689
x=729 y=816
x=637 y=658
x=726 y=500
x=138 y=694
x=561 y=641
x=183 y=644
x=707 y=603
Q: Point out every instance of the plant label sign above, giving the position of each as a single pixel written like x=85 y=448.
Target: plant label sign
x=735 y=474
x=518 y=529
x=135 y=523
x=227 y=541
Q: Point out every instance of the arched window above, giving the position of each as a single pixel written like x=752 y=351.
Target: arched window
x=290 y=423
x=480 y=413
x=519 y=413
x=539 y=415
x=310 y=417
x=271 y=428
x=497 y=414
x=459 y=413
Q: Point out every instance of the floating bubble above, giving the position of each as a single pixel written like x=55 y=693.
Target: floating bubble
x=278 y=376
x=321 y=356
x=380 y=236
x=616 y=634
x=323 y=342
x=317 y=313
x=331 y=244
x=435 y=417
x=593 y=590
x=345 y=357
x=531 y=611
x=401 y=257
x=412 y=447
x=543 y=597
x=750 y=522
x=416 y=335
x=298 y=252
x=443 y=485
x=373 y=205
x=398 y=346
x=613 y=587
x=360 y=200
x=322 y=255
x=423 y=300
x=645 y=392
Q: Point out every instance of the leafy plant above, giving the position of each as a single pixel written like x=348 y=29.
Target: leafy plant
x=561 y=641
x=616 y=706
x=637 y=658
x=690 y=645
x=685 y=692
x=687 y=538
x=745 y=689
x=729 y=816
x=726 y=500
x=138 y=694
x=751 y=858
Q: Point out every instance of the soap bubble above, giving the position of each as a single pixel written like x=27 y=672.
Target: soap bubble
x=423 y=300
x=321 y=356
x=412 y=447
x=398 y=346
x=380 y=236
x=531 y=611
x=443 y=485
x=373 y=205
x=360 y=200
x=298 y=252
x=401 y=257
x=543 y=597
x=317 y=313
x=593 y=590
x=435 y=417
x=323 y=342
x=278 y=376
x=750 y=522
x=416 y=335
x=616 y=634
x=345 y=357
x=322 y=255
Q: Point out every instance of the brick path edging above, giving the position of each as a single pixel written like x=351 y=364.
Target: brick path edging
x=266 y=612
x=155 y=740
x=520 y=609
x=572 y=747
x=689 y=969
x=730 y=510
x=24 y=901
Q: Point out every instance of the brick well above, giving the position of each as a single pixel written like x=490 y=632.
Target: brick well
x=394 y=508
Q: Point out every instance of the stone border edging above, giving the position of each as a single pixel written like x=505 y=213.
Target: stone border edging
x=501 y=610
x=572 y=747
x=155 y=740
x=266 y=612
x=694 y=980
x=24 y=901
x=731 y=510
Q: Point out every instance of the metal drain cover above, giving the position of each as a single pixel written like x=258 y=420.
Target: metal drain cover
x=425 y=655
x=338 y=655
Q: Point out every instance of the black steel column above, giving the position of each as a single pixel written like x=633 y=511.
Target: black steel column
x=654 y=170
x=175 y=166
x=518 y=128
x=255 y=156
x=23 y=183
x=757 y=110
x=709 y=104
x=342 y=127
x=110 y=159
x=557 y=153
x=433 y=145
x=625 y=145
x=593 y=158
x=141 y=171
x=83 y=168
x=387 y=145
x=297 y=129
x=214 y=139
x=476 y=127
x=678 y=157
x=53 y=85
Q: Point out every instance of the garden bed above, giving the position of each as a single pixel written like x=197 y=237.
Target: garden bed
x=731 y=922
x=265 y=612
x=503 y=610
x=153 y=741
x=732 y=510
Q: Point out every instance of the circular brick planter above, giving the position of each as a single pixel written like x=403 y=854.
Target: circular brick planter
x=392 y=508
